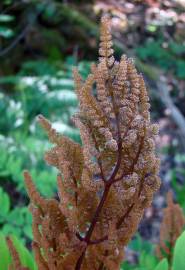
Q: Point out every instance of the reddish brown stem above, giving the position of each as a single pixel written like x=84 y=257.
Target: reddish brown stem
x=80 y=260
x=97 y=213
x=100 y=206
x=134 y=162
x=98 y=241
x=123 y=217
x=108 y=184
x=131 y=169
x=93 y=223
x=92 y=242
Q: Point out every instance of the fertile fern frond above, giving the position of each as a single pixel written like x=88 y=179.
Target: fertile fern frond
x=171 y=227
x=105 y=184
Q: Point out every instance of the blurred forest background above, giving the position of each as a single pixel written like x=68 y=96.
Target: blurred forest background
x=40 y=42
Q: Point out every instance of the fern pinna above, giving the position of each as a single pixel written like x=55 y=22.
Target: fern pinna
x=105 y=184
x=171 y=228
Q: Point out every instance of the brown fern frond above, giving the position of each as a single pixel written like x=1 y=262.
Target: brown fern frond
x=105 y=50
x=105 y=184
x=16 y=262
x=171 y=227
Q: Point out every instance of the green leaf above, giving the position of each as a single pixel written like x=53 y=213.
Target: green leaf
x=11 y=229
x=6 y=32
x=176 y=48
x=152 y=28
x=179 y=253
x=28 y=231
x=6 y=18
x=147 y=261
x=5 y=202
x=25 y=256
x=162 y=265
x=180 y=71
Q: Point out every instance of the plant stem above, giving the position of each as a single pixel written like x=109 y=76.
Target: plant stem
x=100 y=206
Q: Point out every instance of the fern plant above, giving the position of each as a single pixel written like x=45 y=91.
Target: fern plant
x=105 y=184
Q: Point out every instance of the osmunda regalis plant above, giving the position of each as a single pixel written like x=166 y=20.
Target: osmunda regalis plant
x=104 y=185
